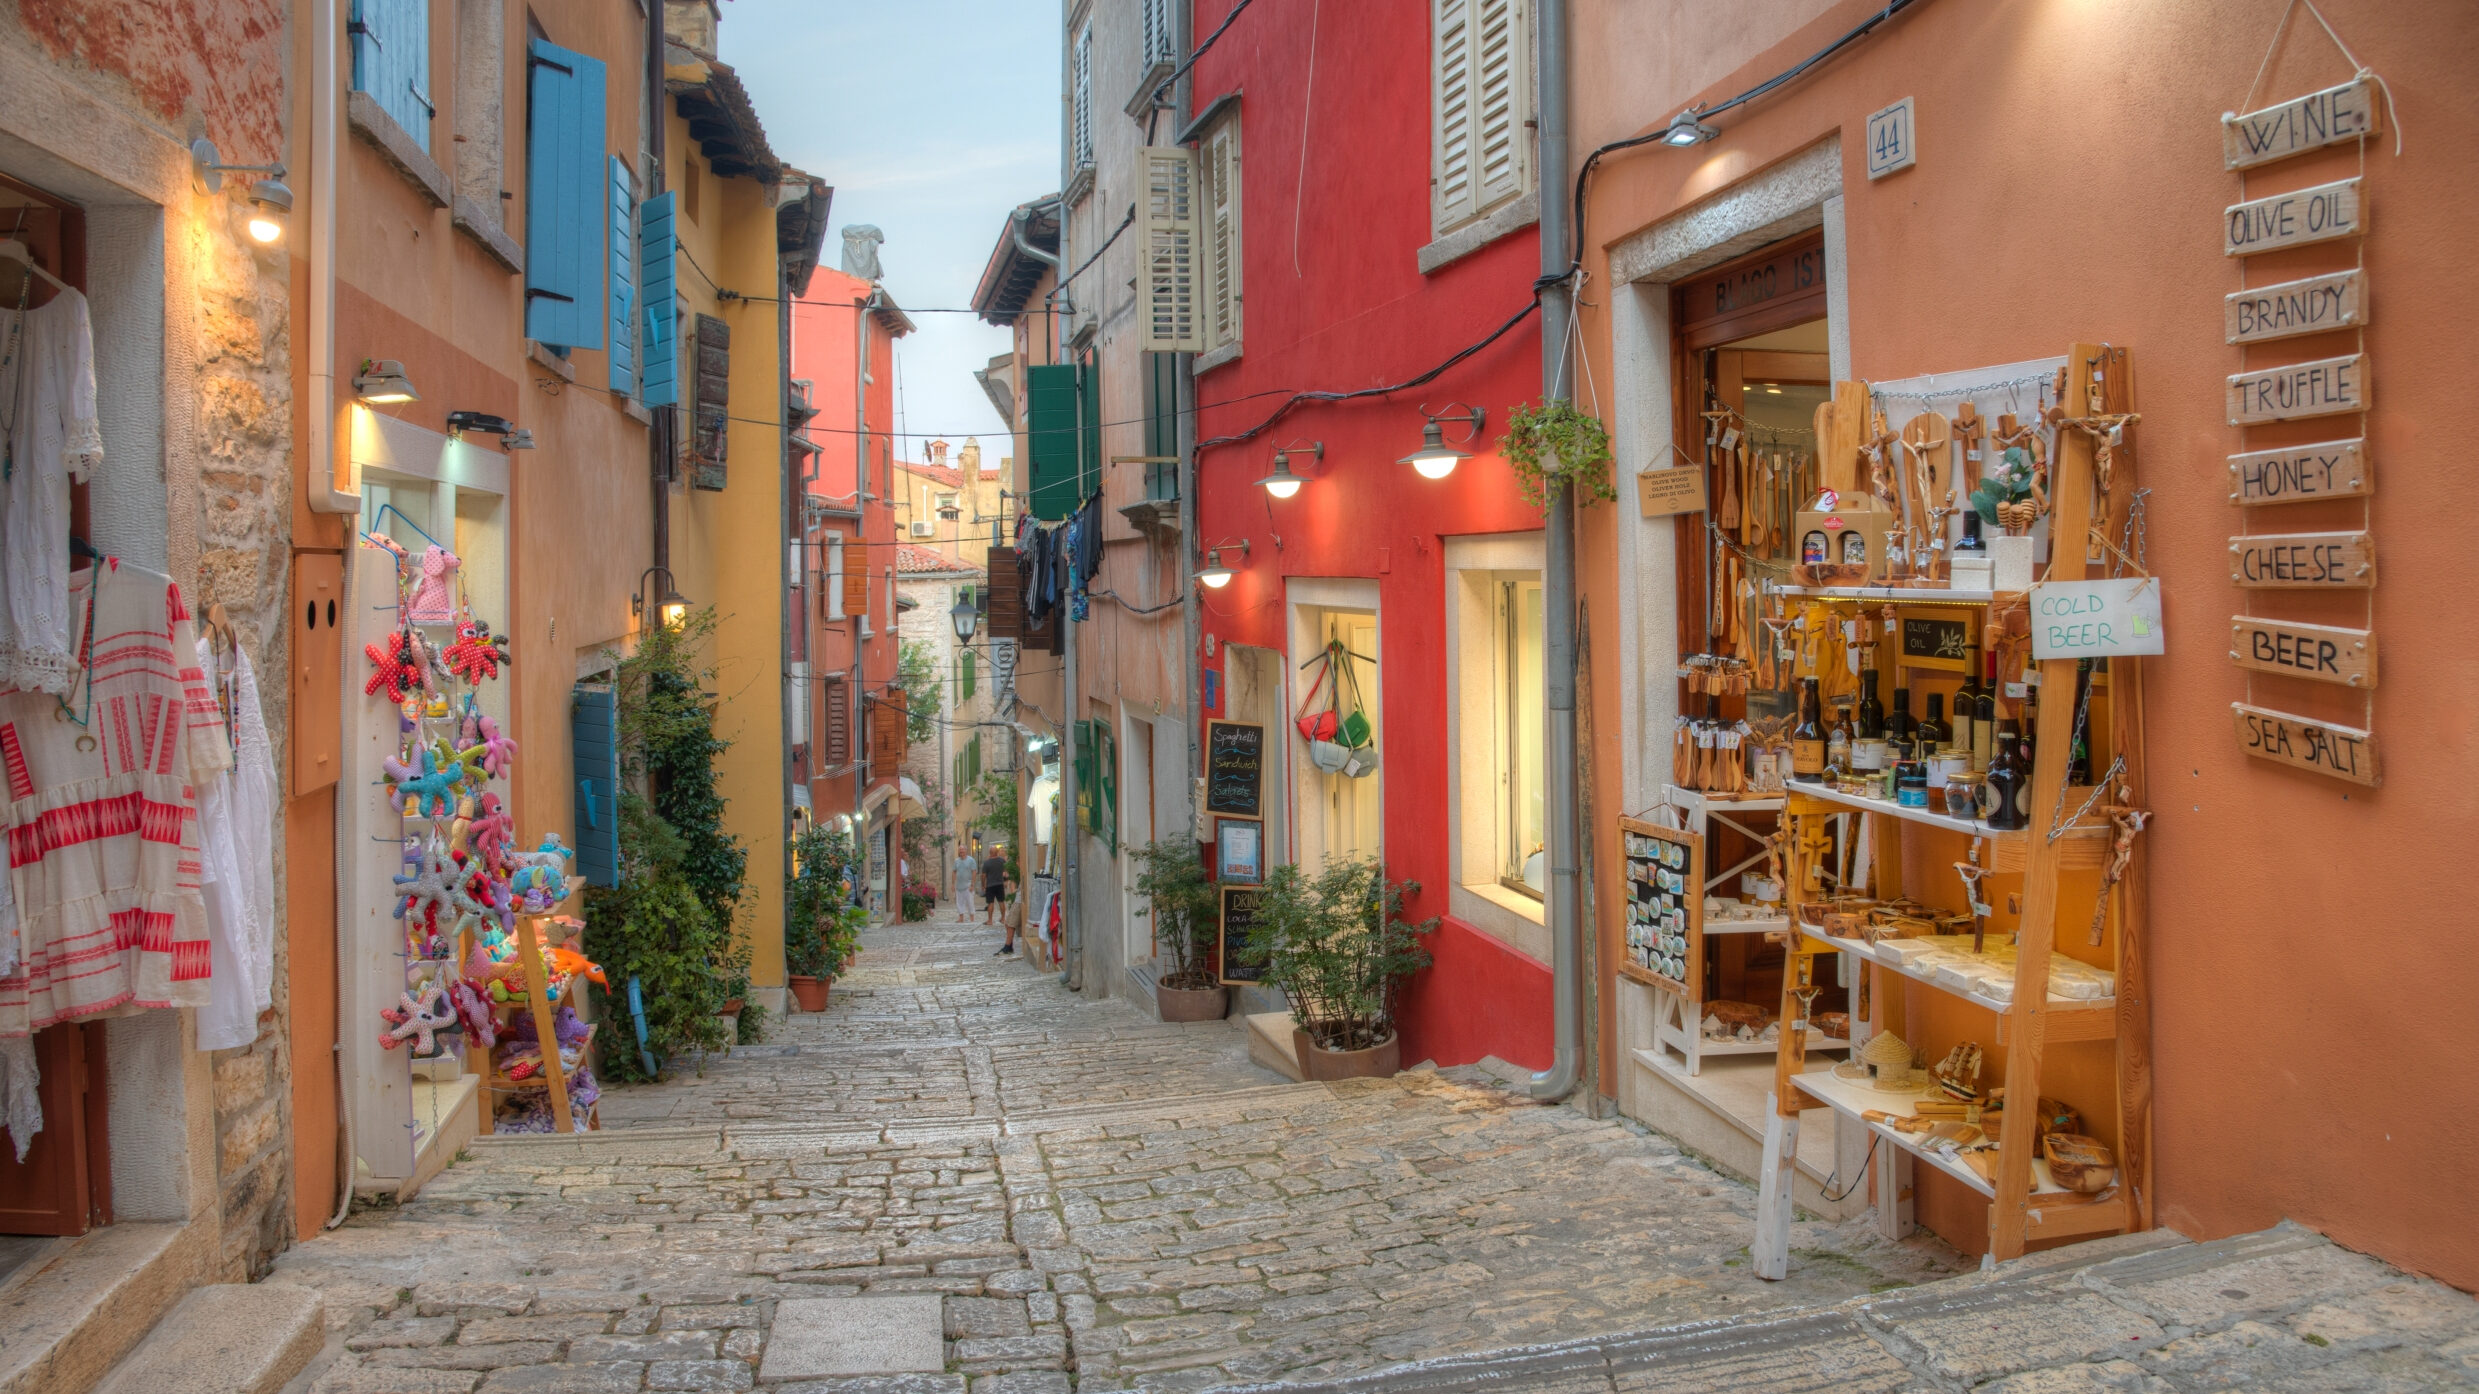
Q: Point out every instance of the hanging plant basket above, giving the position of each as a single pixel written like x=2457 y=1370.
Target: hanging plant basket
x=1551 y=442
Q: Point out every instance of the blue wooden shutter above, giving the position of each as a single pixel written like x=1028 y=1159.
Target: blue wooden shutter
x=564 y=198
x=623 y=277
x=656 y=254
x=594 y=734
x=1050 y=419
x=391 y=61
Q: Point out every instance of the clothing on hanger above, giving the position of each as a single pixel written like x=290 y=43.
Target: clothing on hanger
x=52 y=438
x=21 y=1091
x=237 y=811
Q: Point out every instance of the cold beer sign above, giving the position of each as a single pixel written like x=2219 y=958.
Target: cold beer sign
x=2095 y=619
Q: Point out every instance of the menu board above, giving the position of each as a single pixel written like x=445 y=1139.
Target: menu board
x=1234 y=768
x=1241 y=963
x=1665 y=905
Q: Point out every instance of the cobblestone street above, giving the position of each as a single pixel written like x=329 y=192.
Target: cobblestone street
x=1106 y=1202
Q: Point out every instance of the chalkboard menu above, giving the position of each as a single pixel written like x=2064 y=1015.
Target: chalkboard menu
x=1936 y=640
x=1240 y=962
x=1235 y=768
x=1665 y=905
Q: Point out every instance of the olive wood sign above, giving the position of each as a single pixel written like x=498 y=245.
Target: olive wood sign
x=2344 y=752
x=2303 y=561
x=2333 y=469
x=2318 y=652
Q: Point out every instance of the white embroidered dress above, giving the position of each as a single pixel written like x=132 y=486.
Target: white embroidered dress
x=236 y=829
x=103 y=842
x=52 y=438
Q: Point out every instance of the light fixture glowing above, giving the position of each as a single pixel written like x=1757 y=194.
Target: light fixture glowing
x=1214 y=575
x=271 y=201
x=1435 y=459
x=671 y=611
x=382 y=382
x=1282 y=483
x=1686 y=130
x=270 y=204
x=1772 y=389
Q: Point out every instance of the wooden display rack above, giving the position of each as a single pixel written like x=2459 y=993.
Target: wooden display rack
x=538 y=1002
x=2025 y=1205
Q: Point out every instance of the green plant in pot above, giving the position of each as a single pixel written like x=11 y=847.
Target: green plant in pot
x=1553 y=442
x=1337 y=945
x=1186 y=910
x=817 y=910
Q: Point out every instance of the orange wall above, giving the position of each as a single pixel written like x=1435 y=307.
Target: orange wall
x=2070 y=188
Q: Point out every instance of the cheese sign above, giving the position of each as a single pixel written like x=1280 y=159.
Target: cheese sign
x=2096 y=618
x=2343 y=752
x=2301 y=124
x=2293 y=391
x=2292 y=308
x=2333 y=469
x=2303 y=561
x=2294 y=219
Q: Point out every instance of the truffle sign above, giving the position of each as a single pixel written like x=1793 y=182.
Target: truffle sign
x=2096 y=618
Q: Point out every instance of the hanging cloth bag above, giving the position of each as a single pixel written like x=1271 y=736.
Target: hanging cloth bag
x=1317 y=725
x=1356 y=730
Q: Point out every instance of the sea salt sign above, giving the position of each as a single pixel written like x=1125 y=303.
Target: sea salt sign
x=2096 y=618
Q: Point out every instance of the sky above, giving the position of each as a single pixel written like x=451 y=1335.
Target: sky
x=930 y=119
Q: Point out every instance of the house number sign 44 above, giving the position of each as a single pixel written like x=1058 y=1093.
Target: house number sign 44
x=1890 y=146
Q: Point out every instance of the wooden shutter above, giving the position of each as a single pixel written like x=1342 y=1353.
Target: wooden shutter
x=967 y=676
x=710 y=428
x=1082 y=81
x=1170 y=324
x=1451 y=178
x=1161 y=37
x=594 y=738
x=564 y=198
x=623 y=278
x=888 y=738
x=838 y=704
x=1088 y=429
x=1006 y=591
x=856 y=578
x=1221 y=192
x=657 y=256
x=1500 y=58
x=391 y=61
x=1050 y=417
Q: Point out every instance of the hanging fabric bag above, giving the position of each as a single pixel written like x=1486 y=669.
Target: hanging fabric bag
x=1356 y=729
x=1318 y=725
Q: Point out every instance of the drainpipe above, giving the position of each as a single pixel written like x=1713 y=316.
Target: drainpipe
x=1566 y=930
x=663 y=432
x=331 y=486
x=1183 y=380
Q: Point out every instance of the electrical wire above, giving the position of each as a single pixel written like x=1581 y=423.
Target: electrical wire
x=1182 y=70
x=1298 y=399
x=1097 y=252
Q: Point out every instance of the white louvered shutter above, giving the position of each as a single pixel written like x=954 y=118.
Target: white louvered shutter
x=1083 y=82
x=1161 y=43
x=1172 y=275
x=1499 y=61
x=1451 y=180
x=1222 y=235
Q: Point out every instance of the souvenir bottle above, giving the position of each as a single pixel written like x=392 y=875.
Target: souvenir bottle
x=1871 y=715
x=1807 y=739
x=1933 y=732
x=1984 y=719
x=2002 y=803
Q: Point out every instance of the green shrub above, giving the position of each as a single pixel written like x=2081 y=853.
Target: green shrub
x=1337 y=945
x=1186 y=909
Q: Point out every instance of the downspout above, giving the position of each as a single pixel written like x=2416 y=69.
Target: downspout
x=1566 y=931
x=665 y=427
x=1015 y=226
x=789 y=596
x=1183 y=399
x=1071 y=969
x=337 y=491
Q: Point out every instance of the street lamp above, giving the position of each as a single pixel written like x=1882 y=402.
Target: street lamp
x=1214 y=575
x=271 y=200
x=1282 y=483
x=964 y=617
x=382 y=381
x=669 y=611
x=1435 y=459
x=1686 y=130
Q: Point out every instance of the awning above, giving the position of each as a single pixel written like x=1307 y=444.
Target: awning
x=910 y=806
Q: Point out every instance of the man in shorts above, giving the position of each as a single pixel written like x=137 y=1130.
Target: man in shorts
x=994 y=891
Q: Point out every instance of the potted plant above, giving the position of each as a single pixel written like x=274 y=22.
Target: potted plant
x=1553 y=442
x=1186 y=910
x=1337 y=945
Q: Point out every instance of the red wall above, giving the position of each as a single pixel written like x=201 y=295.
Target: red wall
x=1341 y=306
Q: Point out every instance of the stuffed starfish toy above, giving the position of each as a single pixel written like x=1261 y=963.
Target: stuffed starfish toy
x=395 y=670
x=477 y=653
x=421 y=1020
x=428 y=894
x=475 y=1010
x=476 y=892
x=431 y=787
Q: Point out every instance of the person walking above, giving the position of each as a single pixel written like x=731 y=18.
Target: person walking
x=966 y=865
x=994 y=891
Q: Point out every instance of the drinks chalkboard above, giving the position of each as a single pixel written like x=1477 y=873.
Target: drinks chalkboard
x=1234 y=768
x=1936 y=640
x=1240 y=962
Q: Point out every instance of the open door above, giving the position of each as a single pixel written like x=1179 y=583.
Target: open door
x=65 y=1184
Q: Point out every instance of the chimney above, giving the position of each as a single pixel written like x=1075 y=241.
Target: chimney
x=938 y=453
x=968 y=459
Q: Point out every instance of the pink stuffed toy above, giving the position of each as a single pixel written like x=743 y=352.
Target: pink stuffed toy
x=396 y=669
x=477 y=653
x=434 y=599
x=487 y=752
x=421 y=1020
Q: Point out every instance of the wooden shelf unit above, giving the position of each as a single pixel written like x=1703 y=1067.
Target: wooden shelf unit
x=2024 y=1204
x=543 y=1008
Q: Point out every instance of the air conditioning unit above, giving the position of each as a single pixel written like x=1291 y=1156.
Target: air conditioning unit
x=924 y=528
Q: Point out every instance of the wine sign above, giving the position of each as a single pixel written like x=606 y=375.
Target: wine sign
x=2334 y=469
x=2344 y=752
x=2301 y=124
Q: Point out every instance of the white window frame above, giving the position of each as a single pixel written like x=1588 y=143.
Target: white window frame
x=1480 y=109
x=1080 y=87
x=1478 y=791
x=1219 y=184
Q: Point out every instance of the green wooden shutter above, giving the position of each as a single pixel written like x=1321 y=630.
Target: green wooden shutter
x=623 y=277
x=564 y=198
x=1106 y=759
x=966 y=676
x=1089 y=429
x=594 y=736
x=658 y=255
x=1050 y=416
x=391 y=61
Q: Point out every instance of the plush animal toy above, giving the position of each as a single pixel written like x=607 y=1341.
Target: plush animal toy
x=540 y=877
x=475 y=1009
x=395 y=670
x=490 y=753
x=477 y=653
x=428 y=898
x=476 y=892
x=431 y=787
x=490 y=834
x=434 y=599
x=423 y=662
x=421 y=1020
x=567 y=963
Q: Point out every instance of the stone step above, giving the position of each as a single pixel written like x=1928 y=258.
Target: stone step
x=226 y=1338
x=1270 y=1045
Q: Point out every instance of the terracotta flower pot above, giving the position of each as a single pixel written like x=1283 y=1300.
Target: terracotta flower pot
x=731 y=1008
x=1191 y=1003
x=1317 y=1063
x=810 y=992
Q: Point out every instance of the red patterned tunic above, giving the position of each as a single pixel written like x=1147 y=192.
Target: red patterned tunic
x=103 y=841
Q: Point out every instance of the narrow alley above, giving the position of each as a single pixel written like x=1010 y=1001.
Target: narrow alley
x=1094 y=1200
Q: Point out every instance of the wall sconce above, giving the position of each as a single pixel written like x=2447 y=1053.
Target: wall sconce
x=1435 y=459
x=382 y=382
x=1214 y=575
x=1686 y=130
x=519 y=439
x=965 y=616
x=669 y=611
x=1282 y=483
x=271 y=200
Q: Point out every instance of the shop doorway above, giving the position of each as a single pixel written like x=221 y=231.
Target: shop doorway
x=1337 y=815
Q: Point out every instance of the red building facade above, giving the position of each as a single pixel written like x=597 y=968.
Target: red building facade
x=1351 y=244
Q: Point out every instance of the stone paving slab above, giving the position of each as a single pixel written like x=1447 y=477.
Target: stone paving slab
x=1080 y=1198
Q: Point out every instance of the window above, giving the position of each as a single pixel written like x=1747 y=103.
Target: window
x=566 y=187
x=1080 y=83
x=391 y=61
x=1482 y=148
x=1497 y=729
x=660 y=346
x=1161 y=427
x=950 y=503
x=1161 y=34
x=1170 y=324
x=1516 y=661
x=623 y=278
x=1218 y=188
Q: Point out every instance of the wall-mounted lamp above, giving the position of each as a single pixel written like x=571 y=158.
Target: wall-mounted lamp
x=271 y=200
x=519 y=439
x=382 y=381
x=964 y=617
x=1435 y=459
x=1282 y=483
x=670 y=610
x=1214 y=575
x=460 y=422
x=1686 y=130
